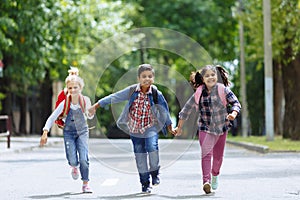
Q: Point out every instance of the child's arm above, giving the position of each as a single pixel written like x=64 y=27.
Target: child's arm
x=184 y=114
x=178 y=129
x=93 y=108
x=232 y=100
x=116 y=97
x=50 y=121
x=87 y=107
x=44 y=138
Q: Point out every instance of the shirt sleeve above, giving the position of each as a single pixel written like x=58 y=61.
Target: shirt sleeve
x=187 y=108
x=232 y=100
x=51 y=119
x=88 y=104
x=116 y=97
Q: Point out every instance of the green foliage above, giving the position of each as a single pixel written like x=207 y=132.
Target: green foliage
x=2 y=96
x=256 y=105
x=208 y=22
x=285 y=49
x=285 y=28
x=40 y=37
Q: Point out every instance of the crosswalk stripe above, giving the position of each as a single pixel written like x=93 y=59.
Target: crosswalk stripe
x=110 y=182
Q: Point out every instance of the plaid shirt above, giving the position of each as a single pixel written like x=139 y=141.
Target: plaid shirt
x=140 y=114
x=212 y=112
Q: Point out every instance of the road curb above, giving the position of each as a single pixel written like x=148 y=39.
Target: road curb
x=23 y=144
x=250 y=146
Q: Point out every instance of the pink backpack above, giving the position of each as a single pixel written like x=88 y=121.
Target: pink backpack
x=221 y=92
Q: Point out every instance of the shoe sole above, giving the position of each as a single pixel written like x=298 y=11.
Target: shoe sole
x=214 y=188
x=207 y=188
x=89 y=192
x=156 y=184
x=75 y=177
x=214 y=184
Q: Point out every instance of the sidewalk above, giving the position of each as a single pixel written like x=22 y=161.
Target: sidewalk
x=25 y=143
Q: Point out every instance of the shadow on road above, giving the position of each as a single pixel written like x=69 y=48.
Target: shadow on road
x=66 y=194
x=157 y=196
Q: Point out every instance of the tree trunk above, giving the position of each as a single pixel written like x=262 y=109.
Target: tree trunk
x=291 y=75
x=23 y=116
x=34 y=111
x=278 y=99
x=7 y=106
x=45 y=101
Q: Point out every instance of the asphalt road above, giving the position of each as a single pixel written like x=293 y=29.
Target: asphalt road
x=43 y=173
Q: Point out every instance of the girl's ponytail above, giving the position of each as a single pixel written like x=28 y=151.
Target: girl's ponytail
x=198 y=79
x=224 y=75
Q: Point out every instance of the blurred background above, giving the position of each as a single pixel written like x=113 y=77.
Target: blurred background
x=41 y=39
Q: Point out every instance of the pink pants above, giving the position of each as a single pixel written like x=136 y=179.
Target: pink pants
x=212 y=146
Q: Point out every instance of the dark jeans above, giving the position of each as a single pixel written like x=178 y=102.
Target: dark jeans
x=146 y=148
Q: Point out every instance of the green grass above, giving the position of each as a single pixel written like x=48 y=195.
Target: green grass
x=278 y=144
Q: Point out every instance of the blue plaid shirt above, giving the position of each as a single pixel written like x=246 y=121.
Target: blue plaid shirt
x=212 y=118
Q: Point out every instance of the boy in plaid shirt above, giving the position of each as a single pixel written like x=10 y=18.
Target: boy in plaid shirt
x=143 y=117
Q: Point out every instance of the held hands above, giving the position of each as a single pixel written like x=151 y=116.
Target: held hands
x=171 y=130
x=177 y=131
x=44 y=138
x=92 y=109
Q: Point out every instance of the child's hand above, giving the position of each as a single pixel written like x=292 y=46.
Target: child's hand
x=171 y=130
x=177 y=131
x=232 y=115
x=92 y=110
x=44 y=138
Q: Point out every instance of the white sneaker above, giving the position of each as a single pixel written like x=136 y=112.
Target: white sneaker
x=86 y=189
x=214 y=182
x=75 y=173
x=207 y=188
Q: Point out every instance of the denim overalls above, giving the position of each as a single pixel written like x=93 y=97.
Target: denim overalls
x=76 y=137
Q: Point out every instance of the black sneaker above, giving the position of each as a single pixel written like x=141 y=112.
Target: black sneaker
x=155 y=181
x=146 y=189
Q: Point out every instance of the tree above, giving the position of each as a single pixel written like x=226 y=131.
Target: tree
x=209 y=23
x=39 y=40
x=285 y=26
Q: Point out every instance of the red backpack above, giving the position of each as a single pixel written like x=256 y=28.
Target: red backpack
x=221 y=93
x=62 y=96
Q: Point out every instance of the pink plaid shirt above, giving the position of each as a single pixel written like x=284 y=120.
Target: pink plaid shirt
x=140 y=114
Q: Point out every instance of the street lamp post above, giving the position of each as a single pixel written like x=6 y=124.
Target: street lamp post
x=269 y=108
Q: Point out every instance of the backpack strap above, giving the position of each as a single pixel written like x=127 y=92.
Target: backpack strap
x=198 y=94
x=82 y=103
x=67 y=105
x=221 y=93
x=131 y=90
x=154 y=93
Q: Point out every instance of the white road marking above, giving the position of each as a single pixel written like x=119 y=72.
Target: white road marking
x=110 y=182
